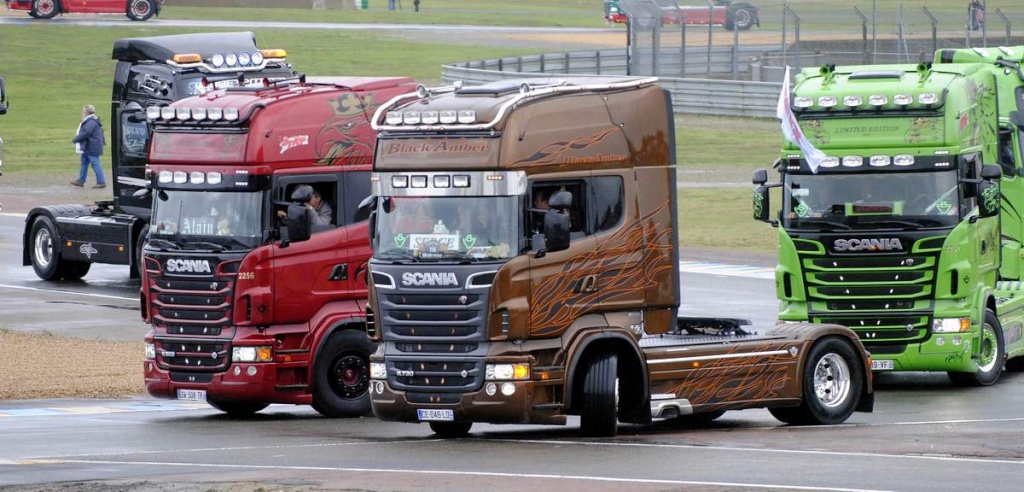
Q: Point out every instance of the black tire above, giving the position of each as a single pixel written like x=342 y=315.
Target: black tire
x=833 y=380
x=140 y=10
x=238 y=409
x=993 y=358
x=341 y=375
x=740 y=18
x=451 y=430
x=43 y=249
x=45 y=9
x=74 y=270
x=140 y=243
x=598 y=415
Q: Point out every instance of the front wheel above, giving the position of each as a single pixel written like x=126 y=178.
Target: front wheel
x=598 y=415
x=140 y=10
x=740 y=18
x=833 y=380
x=341 y=375
x=451 y=429
x=238 y=409
x=993 y=356
x=44 y=9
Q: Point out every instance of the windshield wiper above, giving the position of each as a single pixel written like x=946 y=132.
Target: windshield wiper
x=214 y=246
x=163 y=244
x=905 y=223
x=836 y=225
x=395 y=254
x=462 y=256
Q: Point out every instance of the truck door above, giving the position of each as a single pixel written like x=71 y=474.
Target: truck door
x=312 y=273
x=1012 y=210
x=129 y=136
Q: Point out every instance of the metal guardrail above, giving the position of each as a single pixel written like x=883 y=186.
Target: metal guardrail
x=689 y=95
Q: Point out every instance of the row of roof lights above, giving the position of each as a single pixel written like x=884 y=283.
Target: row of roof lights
x=197 y=114
x=876 y=100
x=195 y=177
x=874 y=161
x=440 y=181
x=446 y=117
x=230 y=60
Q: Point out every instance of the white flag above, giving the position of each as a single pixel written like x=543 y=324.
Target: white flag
x=791 y=129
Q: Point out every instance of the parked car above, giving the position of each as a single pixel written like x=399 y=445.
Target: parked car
x=727 y=13
x=138 y=10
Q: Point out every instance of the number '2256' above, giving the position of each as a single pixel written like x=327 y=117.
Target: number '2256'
x=246 y=275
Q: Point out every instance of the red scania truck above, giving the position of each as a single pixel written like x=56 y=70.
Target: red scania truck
x=253 y=297
x=61 y=242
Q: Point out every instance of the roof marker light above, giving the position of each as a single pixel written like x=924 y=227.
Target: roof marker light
x=460 y=181
x=180 y=177
x=153 y=113
x=165 y=176
x=878 y=100
x=213 y=177
x=187 y=58
x=903 y=99
x=183 y=113
x=273 y=53
x=215 y=114
x=400 y=181
x=411 y=117
x=199 y=114
x=418 y=181
x=853 y=161
x=448 y=117
x=217 y=60
x=467 y=116
x=244 y=59
x=257 y=58
x=231 y=59
x=927 y=98
x=827 y=101
x=429 y=118
x=197 y=177
x=829 y=161
x=879 y=160
x=230 y=114
x=903 y=160
x=442 y=181
x=853 y=100
x=803 y=102
x=393 y=118
x=167 y=113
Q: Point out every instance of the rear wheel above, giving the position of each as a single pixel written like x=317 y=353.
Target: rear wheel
x=238 y=409
x=43 y=246
x=341 y=375
x=740 y=18
x=833 y=376
x=140 y=10
x=993 y=356
x=451 y=429
x=44 y=9
x=598 y=415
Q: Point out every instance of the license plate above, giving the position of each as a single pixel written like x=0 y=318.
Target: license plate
x=435 y=415
x=881 y=365
x=192 y=395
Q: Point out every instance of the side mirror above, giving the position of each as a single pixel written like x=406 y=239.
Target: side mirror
x=760 y=177
x=556 y=229
x=142 y=192
x=365 y=208
x=991 y=171
x=1017 y=118
x=300 y=224
x=761 y=203
x=988 y=198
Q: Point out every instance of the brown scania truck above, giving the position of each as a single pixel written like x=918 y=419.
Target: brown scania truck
x=525 y=268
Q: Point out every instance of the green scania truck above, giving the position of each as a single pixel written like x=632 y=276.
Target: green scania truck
x=906 y=231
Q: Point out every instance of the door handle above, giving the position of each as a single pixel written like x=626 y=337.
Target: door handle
x=340 y=272
x=587 y=284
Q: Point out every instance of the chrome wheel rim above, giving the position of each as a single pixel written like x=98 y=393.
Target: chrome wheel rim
x=989 y=346
x=832 y=380
x=43 y=248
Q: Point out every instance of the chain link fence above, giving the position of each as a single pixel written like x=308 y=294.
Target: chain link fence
x=752 y=40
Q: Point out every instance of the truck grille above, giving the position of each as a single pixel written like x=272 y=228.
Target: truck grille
x=204 y=356
x=427 y=376
x=192 y=307
x=433 y=318
x=884 y=299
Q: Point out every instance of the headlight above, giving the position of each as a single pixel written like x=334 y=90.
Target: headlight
x=150 y=351
x=499 y=372
x=378 y=370
x=251 y=354
x=951 y=325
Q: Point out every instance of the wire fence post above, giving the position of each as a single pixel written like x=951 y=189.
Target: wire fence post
x=1007 y=23
x=711 y=15
x=788 y=12
x=863 y=35
x=935 y=29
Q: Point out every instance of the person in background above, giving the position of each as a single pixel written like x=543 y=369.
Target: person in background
x=89 y=144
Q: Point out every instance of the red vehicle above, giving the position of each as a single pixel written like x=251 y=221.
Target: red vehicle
x=139 y=10
x=729 y=14
x=250 y=301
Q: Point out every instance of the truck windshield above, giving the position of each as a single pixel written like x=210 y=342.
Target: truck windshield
x=207 y=219
x=447 y=228
x=869 y=201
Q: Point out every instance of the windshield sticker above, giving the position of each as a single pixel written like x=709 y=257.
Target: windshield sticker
x=400 y=240
x=293 y=141
x=468 y=241
x=944 y=207
x=802 y=210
